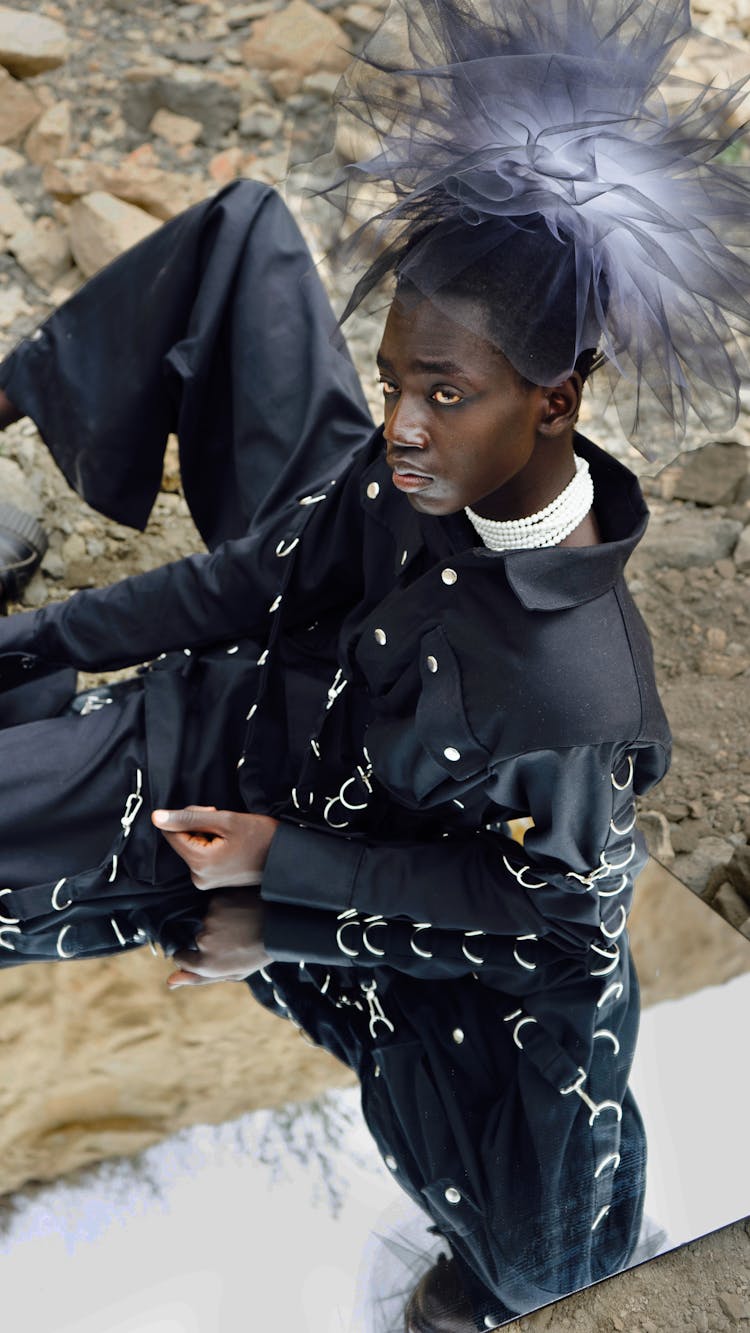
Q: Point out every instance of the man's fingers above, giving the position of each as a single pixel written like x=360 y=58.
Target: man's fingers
x=184 y=978
x=193 y=819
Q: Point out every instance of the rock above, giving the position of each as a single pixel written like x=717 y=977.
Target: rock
x=189 y=53
x=742 y=550
x=212 y=100
x=30 y=43
x=162 y=193
x=19 y=108
x=712 y=475
x=261 y=122
x=695 y=868
x=301 y=40
x=738 y=871
x=42 y=249
x=723 y=667
x=686 y=836
x=735 y=1307
x=50 y=138
x=12 y=216
x=730 y=905
x=226 y=166
x=13 y=305
x=10 y=161
x=694 y=537
x=16 y=490
x=655 y=829
x=177 y=130
x=102 y=227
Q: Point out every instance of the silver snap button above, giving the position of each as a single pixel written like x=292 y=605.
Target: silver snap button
x=373 y=490
x=234 y=649
x=490 y=1321
x=240 y=762
x=449 y=576
x=432 y=664
x=380 y=636
x=391 y=1163
x=452 y=753
x=452 y=1194
x=458 y=1035
x=377 y=1071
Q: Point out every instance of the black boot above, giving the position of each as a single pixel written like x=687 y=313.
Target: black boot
x=23 y=543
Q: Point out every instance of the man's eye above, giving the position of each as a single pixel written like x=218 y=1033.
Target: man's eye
x=388 y=387
x=446 y=397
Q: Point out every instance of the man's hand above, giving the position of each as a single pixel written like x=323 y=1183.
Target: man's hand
x=230 y=945
x=222 y=849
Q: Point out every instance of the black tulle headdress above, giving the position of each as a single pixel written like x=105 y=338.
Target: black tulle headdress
x=549 y=146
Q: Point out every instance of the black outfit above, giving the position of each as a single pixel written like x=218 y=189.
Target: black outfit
x=391 y=693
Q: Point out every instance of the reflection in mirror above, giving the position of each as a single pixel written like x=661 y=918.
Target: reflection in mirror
x=180 y=1236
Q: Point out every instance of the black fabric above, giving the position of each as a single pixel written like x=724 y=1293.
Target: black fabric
x=293 y=678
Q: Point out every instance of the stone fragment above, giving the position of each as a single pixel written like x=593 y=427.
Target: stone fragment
x=50 y=138
x=695 y=869
x=261 y=122
x=211 y=99
x=738 y=871
x=693 y=538
x=13 y=304
x=102 y=227
x=226 y=166
x=12 y=216
x=735 y=1307
x=42 y=249
x=189 y=53
x=30 y=43
x=722 y=666
x=730 y=905
x=655 y=830
x=177 y=130
x=19 y=108
x=742 y=550
x=300 y=39
x=712 y=475
x=10 y=160
x=162 y=193
x=16 y=490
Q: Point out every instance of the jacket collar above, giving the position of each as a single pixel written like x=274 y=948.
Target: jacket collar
x=549 y=579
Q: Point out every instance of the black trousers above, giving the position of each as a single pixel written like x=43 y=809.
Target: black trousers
x=217 y=328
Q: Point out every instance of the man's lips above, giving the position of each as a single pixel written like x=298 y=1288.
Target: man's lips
x=406 y=478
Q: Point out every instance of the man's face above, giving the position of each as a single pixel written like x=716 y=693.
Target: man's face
x=458 y=423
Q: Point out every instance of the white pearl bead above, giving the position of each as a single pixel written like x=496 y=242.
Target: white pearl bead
x=373 y=490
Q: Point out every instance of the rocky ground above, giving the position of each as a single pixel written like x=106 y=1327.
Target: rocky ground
x=114 y=117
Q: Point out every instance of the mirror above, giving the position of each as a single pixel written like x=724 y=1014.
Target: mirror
x=172 y=1264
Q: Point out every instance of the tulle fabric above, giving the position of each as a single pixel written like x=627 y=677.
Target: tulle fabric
x=552 y=137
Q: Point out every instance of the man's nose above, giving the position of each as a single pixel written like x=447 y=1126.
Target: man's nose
x=406 y=425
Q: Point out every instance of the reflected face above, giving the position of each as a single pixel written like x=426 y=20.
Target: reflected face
x=459 y=424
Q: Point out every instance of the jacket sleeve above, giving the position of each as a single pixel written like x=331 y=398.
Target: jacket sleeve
x=570 y=883
x=232 y=592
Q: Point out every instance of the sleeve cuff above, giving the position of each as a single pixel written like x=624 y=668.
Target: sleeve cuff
x=311 y=869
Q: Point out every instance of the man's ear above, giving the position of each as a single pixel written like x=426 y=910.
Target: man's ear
x=560 y=406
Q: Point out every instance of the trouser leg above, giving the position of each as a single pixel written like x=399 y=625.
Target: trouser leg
x=218 y=328
x=77 y=849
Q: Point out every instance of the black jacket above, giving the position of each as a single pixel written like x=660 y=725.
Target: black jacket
x=409 y=703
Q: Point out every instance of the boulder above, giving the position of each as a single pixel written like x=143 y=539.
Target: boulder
x=691 y=537
x=299 y=39
x=696 y=868
x=738 y=871
x=19 y=108
x=51 y=136
x=42 y=249
x=30 y=43
x=712 y=475
x=728 y=903
x=102 y=227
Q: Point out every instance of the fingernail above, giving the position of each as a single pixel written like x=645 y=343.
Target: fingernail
x=160 y=816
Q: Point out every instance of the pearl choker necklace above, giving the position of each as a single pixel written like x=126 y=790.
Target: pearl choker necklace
x=545 y=528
